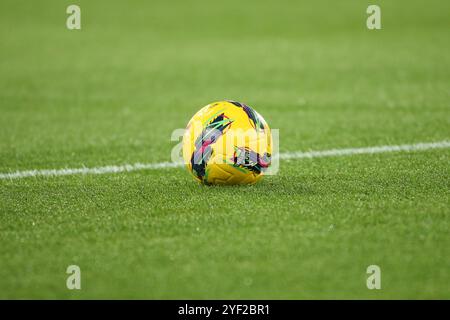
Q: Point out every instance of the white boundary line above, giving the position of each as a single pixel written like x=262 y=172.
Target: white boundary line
x=368 y=150
x=284 y=156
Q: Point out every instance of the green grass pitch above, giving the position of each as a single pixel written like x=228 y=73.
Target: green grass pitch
x=112 y=92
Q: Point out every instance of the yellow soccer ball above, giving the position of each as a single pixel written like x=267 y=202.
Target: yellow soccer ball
x=227 y=142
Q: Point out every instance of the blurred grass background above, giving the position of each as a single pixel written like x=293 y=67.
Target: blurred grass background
x=112 y=93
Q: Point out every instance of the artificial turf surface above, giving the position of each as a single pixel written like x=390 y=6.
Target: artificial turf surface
x=112 y=93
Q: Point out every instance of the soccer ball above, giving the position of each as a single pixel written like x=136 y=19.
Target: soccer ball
x=227 y=142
